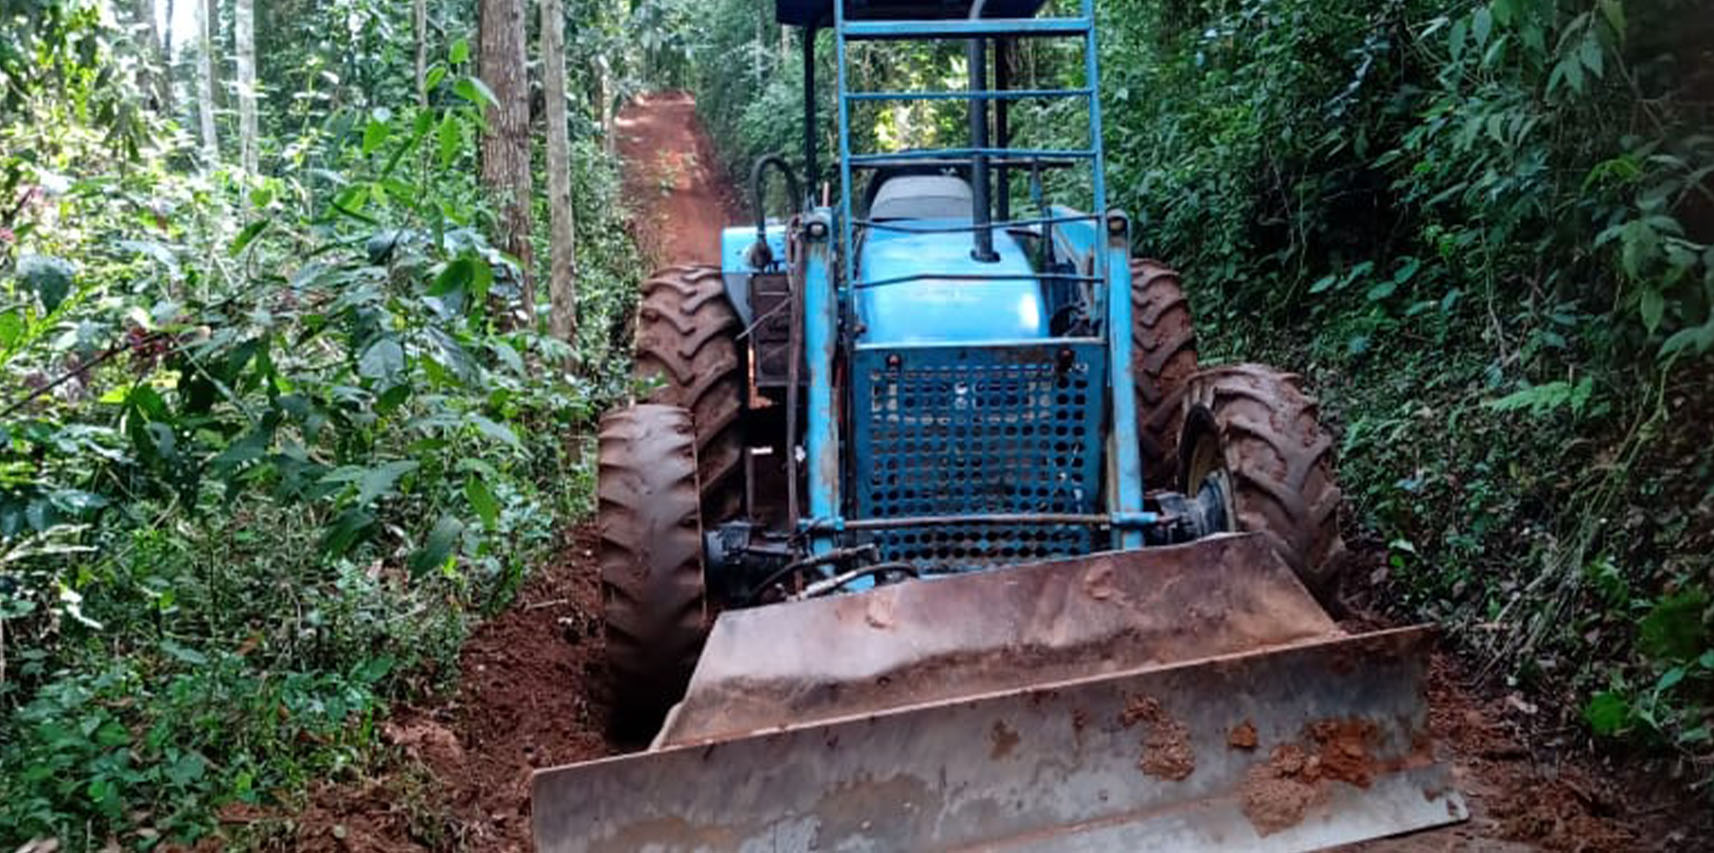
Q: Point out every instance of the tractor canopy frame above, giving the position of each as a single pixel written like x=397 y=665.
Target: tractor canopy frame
x=905 y=382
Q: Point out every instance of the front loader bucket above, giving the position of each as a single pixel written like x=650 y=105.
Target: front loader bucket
x=1175 y=698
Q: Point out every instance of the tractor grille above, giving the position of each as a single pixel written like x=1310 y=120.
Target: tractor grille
x=972 y=430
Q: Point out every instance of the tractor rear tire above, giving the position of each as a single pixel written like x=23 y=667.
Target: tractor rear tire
x=1254 y=428
x=687 y=336
x=1163 y=358
x=653 y=596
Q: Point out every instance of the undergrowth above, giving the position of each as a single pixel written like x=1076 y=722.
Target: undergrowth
x=269 y=445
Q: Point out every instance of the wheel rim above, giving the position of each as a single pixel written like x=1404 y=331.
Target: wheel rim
x=1207 y=480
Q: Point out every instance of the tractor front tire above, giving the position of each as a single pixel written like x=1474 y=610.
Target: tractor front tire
x=1254 y=429
x=653 y=596
x=1163 y=358
x=687 y=337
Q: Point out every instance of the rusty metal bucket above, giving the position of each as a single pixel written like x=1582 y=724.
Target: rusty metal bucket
x=1189 y=697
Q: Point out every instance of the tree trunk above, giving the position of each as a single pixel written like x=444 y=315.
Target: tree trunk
x=501 y=57
x=562 y=275
x=155 y=77
x=244 y=23
x=205 y=11
x=167 y=96
x=421 y=18
x=608 y=142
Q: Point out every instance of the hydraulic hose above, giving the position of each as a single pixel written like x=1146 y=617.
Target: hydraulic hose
x=760 y=255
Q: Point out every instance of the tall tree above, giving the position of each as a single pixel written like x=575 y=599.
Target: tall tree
x=562 y=274
x=420 y=21
x=205 y=12
x=157 y=75
x=501 y=58
x=244 y=26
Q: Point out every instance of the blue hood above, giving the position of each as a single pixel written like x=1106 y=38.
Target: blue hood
x=940 y=310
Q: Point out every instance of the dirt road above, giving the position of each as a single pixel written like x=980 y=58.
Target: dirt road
x=532 y=692
x=672 y=177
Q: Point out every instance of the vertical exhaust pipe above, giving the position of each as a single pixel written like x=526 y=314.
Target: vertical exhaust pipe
x=981 y=215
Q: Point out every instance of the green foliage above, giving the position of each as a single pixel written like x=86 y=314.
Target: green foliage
x=269 y=443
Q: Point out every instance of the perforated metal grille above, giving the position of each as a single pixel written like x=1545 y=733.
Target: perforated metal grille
x=979 y=430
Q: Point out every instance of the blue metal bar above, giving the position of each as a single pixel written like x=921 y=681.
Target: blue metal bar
x=973 y=277
x=997 y=153
x=989 y=94
x=848 y=259
x=967 y=27
x=1098 y=180
x=1127 y=462
x=905 y=346
x=893 y=225
x=820 y=312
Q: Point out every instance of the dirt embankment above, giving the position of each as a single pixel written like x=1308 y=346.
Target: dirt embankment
x=531 y=694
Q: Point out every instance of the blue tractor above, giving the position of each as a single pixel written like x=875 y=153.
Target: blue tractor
x=932 y=533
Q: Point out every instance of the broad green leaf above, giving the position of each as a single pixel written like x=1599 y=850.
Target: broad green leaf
x=449 y=139
x=476 y=92
x=187 y=769
x=49 y=277
x=1382 y=290
x=374 y=136
x=1669 y=679
x=496 y=431
x=247 y=235
x=1481 y=25
x=459 y=52
x=380 y=480
x=374 y=669
x=345 y=530
x=11 y=328
x=1573 y=71
x=437 y=548
x=482 y=500
x=508 y=355
x=1590 y=54
x=382 y=360
x=434 y=76
x=1323 y=283
x=1652 y=305
x=455 y=278
x=1607 y=713
x=1697 y=339
x=184 y=654
x=1502 y=10
x=76 y=501
x=1673 y=628
x=1455 y=41
x=1614 y=12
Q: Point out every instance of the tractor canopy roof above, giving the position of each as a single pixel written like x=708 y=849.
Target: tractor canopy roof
x=819 y=13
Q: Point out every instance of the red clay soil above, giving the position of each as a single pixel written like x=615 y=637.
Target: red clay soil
x=673 y=180
x=532 y=691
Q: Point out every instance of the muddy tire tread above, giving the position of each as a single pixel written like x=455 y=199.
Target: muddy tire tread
x=1163 y=358
x=648 y=517
x=687 y=334
x=1281 y=461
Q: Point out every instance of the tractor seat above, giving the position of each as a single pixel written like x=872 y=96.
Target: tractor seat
x=921 y=197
